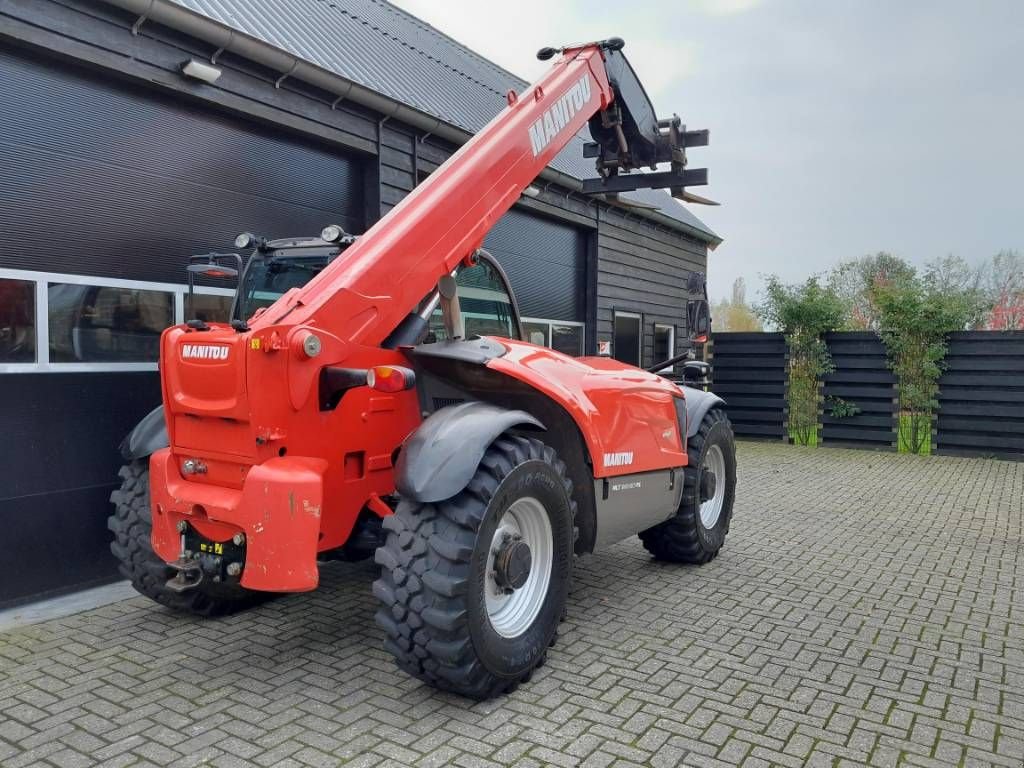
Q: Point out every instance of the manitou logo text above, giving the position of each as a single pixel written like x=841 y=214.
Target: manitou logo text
x=559 y=115
x=204 y=352
x=623 y=459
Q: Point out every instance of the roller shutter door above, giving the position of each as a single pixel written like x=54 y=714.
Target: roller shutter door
x=546 y=264
x=98 y=177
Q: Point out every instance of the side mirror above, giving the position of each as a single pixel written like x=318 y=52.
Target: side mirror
x=214 y=266
x=213 y=270
x=698 y=320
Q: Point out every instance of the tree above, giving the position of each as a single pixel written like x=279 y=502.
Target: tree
x=1003 y=285
x=804 y=312
x=853 y=280
x=735 y=314
x=951 y=278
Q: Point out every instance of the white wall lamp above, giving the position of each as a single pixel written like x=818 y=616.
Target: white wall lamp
x=532 y=191
x=200 y=71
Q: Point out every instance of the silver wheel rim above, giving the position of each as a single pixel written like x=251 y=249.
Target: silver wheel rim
x=512 y=614
x=710 y=510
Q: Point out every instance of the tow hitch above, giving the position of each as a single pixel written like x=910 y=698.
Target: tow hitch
x=220 y=561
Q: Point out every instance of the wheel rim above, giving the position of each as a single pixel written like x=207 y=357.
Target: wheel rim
x=512 y=614
x=710 y=510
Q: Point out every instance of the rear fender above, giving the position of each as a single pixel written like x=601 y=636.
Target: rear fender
x=148 y=436
x=441 y=456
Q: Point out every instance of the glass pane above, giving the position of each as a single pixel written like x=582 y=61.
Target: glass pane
x=268 y=279
x=92 y=323
x=663 y=343
x=567 y=339
x=483 y=298
x=536 y=333
x=626 y=344
x=17 y=321
x=210 y=309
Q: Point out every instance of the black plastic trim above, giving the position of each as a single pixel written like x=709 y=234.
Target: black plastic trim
x=440 y=458
x=698 y=403
x=148 y=436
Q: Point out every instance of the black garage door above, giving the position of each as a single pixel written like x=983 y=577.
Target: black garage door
x=99 y=179
x=546 y=264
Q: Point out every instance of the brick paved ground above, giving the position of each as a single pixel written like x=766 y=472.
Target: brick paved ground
x=868 y=608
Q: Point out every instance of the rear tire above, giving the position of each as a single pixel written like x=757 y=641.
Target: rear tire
x=697 y=531
x=449 y=615
x=132 y=526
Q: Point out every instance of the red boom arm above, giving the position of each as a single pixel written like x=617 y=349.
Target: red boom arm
x=366 y=292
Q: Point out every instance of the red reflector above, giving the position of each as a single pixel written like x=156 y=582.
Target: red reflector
x=390 y=378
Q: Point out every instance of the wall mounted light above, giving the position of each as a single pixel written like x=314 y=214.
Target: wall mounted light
x=200 y=71
x=532 y=191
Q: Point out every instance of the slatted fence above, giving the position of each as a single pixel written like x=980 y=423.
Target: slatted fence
x=981 y=396
x=863 y=379
x=749 y=371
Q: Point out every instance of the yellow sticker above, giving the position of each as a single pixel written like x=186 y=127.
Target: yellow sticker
x=255 y=342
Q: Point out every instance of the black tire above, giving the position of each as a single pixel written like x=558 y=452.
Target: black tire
x=132 y=527
x=433 y=571
x=684 y=538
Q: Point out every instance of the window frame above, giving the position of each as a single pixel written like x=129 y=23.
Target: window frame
x=41 y=281
x=671 y=344
x=638 y=316
x=551 y=332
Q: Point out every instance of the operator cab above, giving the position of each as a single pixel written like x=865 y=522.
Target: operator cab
x=274 y=267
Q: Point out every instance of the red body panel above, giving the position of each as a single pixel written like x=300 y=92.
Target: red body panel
x=294 y=478
x=627 y=416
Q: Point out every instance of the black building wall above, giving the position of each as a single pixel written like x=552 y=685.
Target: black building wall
x=116 y=166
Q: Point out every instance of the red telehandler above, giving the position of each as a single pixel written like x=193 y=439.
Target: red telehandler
x=386 y=402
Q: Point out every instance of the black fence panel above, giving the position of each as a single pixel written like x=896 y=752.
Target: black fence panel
x=981 y=396
x=749 y=371
x=862 y=379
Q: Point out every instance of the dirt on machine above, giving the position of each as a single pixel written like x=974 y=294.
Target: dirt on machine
x=374 y=396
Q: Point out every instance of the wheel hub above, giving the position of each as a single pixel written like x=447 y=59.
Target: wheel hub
x=712 y=486
x=707 y=485
x=519 y=567
x=512 y=564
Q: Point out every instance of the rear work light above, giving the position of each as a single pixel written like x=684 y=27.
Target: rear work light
x=390 y=378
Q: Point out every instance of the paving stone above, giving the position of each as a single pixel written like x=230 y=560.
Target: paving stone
x=862 y=613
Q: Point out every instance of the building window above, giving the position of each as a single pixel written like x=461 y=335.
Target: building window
x=664 y=345
x=537 y=332
x=17 y=321
x=97 y=323
x=627 y=337
x=565 y=336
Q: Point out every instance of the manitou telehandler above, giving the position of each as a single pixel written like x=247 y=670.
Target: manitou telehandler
x=376 y=394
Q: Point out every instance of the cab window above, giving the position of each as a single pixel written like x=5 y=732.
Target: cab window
x=485 y=304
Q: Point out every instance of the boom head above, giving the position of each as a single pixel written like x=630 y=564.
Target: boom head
x=628 y=136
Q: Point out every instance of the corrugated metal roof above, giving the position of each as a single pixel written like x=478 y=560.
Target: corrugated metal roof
x=385 y=49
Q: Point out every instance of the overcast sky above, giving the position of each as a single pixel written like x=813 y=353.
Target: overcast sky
x=838 y=127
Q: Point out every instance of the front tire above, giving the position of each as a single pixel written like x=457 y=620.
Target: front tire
x=465 y=607
x=132 y=526
x=697 y=531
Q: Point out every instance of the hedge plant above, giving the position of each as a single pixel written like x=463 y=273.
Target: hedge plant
x=804 y=312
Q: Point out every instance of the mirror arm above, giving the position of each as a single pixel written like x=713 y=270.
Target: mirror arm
x=671 y=361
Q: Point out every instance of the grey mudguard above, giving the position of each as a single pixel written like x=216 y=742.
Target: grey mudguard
x=698 y=403
x=442 y=455
x=149 y=435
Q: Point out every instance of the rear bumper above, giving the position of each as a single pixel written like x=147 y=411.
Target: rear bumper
x=278 y=509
